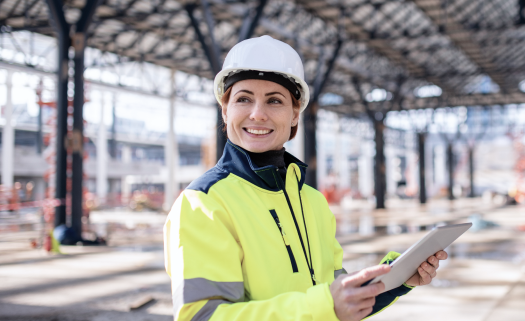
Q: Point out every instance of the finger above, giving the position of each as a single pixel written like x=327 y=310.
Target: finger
x=365 y=275
x=424 y=276
x=361 y=314
x=431 y=270
x=366 y=292
x=433 y=261
x=366 y=303
x=341 y=278
x=442 y=255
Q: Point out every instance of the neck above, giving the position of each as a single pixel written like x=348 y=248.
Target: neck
x=271 y=157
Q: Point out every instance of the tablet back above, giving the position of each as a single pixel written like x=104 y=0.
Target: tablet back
x=406 y=265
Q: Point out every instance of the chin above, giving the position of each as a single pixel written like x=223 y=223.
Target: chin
x=259 y=147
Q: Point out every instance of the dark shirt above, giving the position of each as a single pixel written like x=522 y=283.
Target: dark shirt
x=271 y=157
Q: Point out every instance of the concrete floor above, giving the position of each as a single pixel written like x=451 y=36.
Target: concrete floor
x=483 y=280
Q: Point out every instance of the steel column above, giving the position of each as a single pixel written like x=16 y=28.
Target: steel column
x=102 y=154
x=77 y=137
x=450 y=168
x=170 y=149
x=421 y=138
x=310 y=142
x=310 y=118
x=64 y=42
x=8 y=135
x=471 y=171
x=39 y=135
x=212 y=53
x=379 y=164
x=113 y=141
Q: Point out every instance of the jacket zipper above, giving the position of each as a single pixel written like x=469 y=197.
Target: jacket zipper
x=308 y=262
x=285 y=239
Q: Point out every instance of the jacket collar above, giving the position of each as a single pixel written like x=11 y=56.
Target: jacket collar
x=237 y=161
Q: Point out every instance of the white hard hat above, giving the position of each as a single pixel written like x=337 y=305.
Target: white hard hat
x=266 y=57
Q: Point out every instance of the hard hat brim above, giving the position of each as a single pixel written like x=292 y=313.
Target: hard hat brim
x=218 y=84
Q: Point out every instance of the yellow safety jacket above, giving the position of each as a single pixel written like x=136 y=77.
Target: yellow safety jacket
x=242 y=245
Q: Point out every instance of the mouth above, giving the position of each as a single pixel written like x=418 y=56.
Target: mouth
x=258 y=132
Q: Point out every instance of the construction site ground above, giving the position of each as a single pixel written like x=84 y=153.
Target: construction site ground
x=484 y=279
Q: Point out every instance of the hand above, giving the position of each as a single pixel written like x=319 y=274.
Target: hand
x=427 y=270
x=353 y=302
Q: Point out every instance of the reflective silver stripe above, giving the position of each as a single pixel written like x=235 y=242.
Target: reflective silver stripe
x=207 y=310
x=193 y=290
x=339 y=272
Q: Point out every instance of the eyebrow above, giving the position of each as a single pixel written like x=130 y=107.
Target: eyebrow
x=275 y=92
x=244 y=90
x=251 y=93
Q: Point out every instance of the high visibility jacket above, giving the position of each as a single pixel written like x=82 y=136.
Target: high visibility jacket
x=242 y=245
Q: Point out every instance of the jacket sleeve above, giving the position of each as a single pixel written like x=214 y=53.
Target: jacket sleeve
x=203 y=257
x=386 y=299
x=338 y=253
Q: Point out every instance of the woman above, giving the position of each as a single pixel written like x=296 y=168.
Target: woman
x=249 y=240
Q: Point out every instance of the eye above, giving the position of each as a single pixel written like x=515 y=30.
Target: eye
x=243 y=100
x=274 y=101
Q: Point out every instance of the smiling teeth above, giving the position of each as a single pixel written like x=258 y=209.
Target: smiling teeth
x=257 y=132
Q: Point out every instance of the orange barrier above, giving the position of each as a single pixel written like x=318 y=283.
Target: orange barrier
x=42 y=203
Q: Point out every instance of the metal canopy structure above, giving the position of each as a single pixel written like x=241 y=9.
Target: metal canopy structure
x=472 y=49
x=360 y=56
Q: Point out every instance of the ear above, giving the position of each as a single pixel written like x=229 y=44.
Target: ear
x=296 y=113
x=223 y=112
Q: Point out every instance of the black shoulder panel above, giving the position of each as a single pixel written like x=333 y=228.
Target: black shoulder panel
x=208 y=179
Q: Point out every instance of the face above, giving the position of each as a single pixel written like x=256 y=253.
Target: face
x=259 y=115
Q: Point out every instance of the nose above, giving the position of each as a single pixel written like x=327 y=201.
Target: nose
x=258 y=112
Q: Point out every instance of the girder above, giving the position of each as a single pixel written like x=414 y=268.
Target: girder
x=463 y=40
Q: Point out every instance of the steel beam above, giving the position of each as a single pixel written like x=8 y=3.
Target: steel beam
x=214 y=48
x=521 y=14
x=62 y=29
x=330 y=66
x=211 y=54
x=250 y=23
x=464 y=41
x=381 y=46
x=467 y=100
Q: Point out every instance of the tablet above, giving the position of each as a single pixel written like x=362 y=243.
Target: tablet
x=407 y=263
